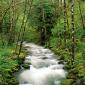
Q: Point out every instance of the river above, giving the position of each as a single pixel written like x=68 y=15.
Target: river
x=44 y=68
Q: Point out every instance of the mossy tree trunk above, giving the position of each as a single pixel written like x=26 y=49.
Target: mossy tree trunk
x=12 y=23
x=73 y=31
x=65 y=22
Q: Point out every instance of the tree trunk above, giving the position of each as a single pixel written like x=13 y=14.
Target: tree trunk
x=73 y=32
x=81 y=15
x=1 y=17
x=65 y=22
x=12 y=23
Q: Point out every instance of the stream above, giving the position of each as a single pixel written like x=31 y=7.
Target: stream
x=44 y=68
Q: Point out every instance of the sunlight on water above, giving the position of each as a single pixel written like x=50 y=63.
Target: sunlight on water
x=44 y=68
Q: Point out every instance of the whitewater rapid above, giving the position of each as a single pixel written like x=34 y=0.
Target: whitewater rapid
x=44 y=68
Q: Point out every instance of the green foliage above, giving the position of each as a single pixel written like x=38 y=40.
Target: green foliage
x=43 y=18
x=43 y=14
x=37 y=11
x=8 y=65
x=66 y=82
x=31 y=35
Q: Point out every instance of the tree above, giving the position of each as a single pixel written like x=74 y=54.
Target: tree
x=28 y=4
x=73 y=31
x=79 y=4
x=65 y=22
x=43 y=18
x=0 y=17
x=12 y=23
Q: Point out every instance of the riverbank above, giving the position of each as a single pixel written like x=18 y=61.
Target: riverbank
x=76 y=73
x=9 y=65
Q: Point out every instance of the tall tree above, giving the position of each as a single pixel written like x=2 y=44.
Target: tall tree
x=24 y=23
x=82 y=20
x=20 y=34
x=73 y=31
x=0 y=17
x=65 y=21
x=43 y=18
x=79 y=4
x=12 y=23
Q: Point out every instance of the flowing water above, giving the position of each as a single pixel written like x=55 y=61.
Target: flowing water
x=44 y=68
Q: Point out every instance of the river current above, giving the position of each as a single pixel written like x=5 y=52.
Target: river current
x=44 y=68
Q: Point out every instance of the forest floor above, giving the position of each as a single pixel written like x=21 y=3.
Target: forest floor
x=76 y=74
x=9 y=65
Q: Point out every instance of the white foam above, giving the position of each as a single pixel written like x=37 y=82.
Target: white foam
x=42 y=71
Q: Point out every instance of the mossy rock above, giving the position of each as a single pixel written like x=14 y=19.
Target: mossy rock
x=20 y=60
x=13 y=81
x=61 y=62
x=26 y=66
x=66 y=82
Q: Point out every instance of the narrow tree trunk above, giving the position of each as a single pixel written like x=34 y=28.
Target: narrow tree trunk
x=65 y=22
x=67 y=18
x=12 y=23
x=1 y=29
x=0 y=18
x=44 y=27
x=83 y=25
x=24 y=26
x=73 y=32
x=81 y=15
x=61 y=3
x=20 y=34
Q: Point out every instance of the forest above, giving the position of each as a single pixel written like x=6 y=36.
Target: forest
x=58 y=25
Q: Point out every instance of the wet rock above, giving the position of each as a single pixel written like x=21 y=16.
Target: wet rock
x=44 y=58
x=26 y=66
x=61 y=62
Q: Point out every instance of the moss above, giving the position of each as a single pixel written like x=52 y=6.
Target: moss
x=9 y=65
x=74 y=71
x=66 y=82
x=26 y=66
x=13 y=81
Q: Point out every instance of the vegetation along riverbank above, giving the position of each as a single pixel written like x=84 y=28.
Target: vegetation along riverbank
x=55 y=24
